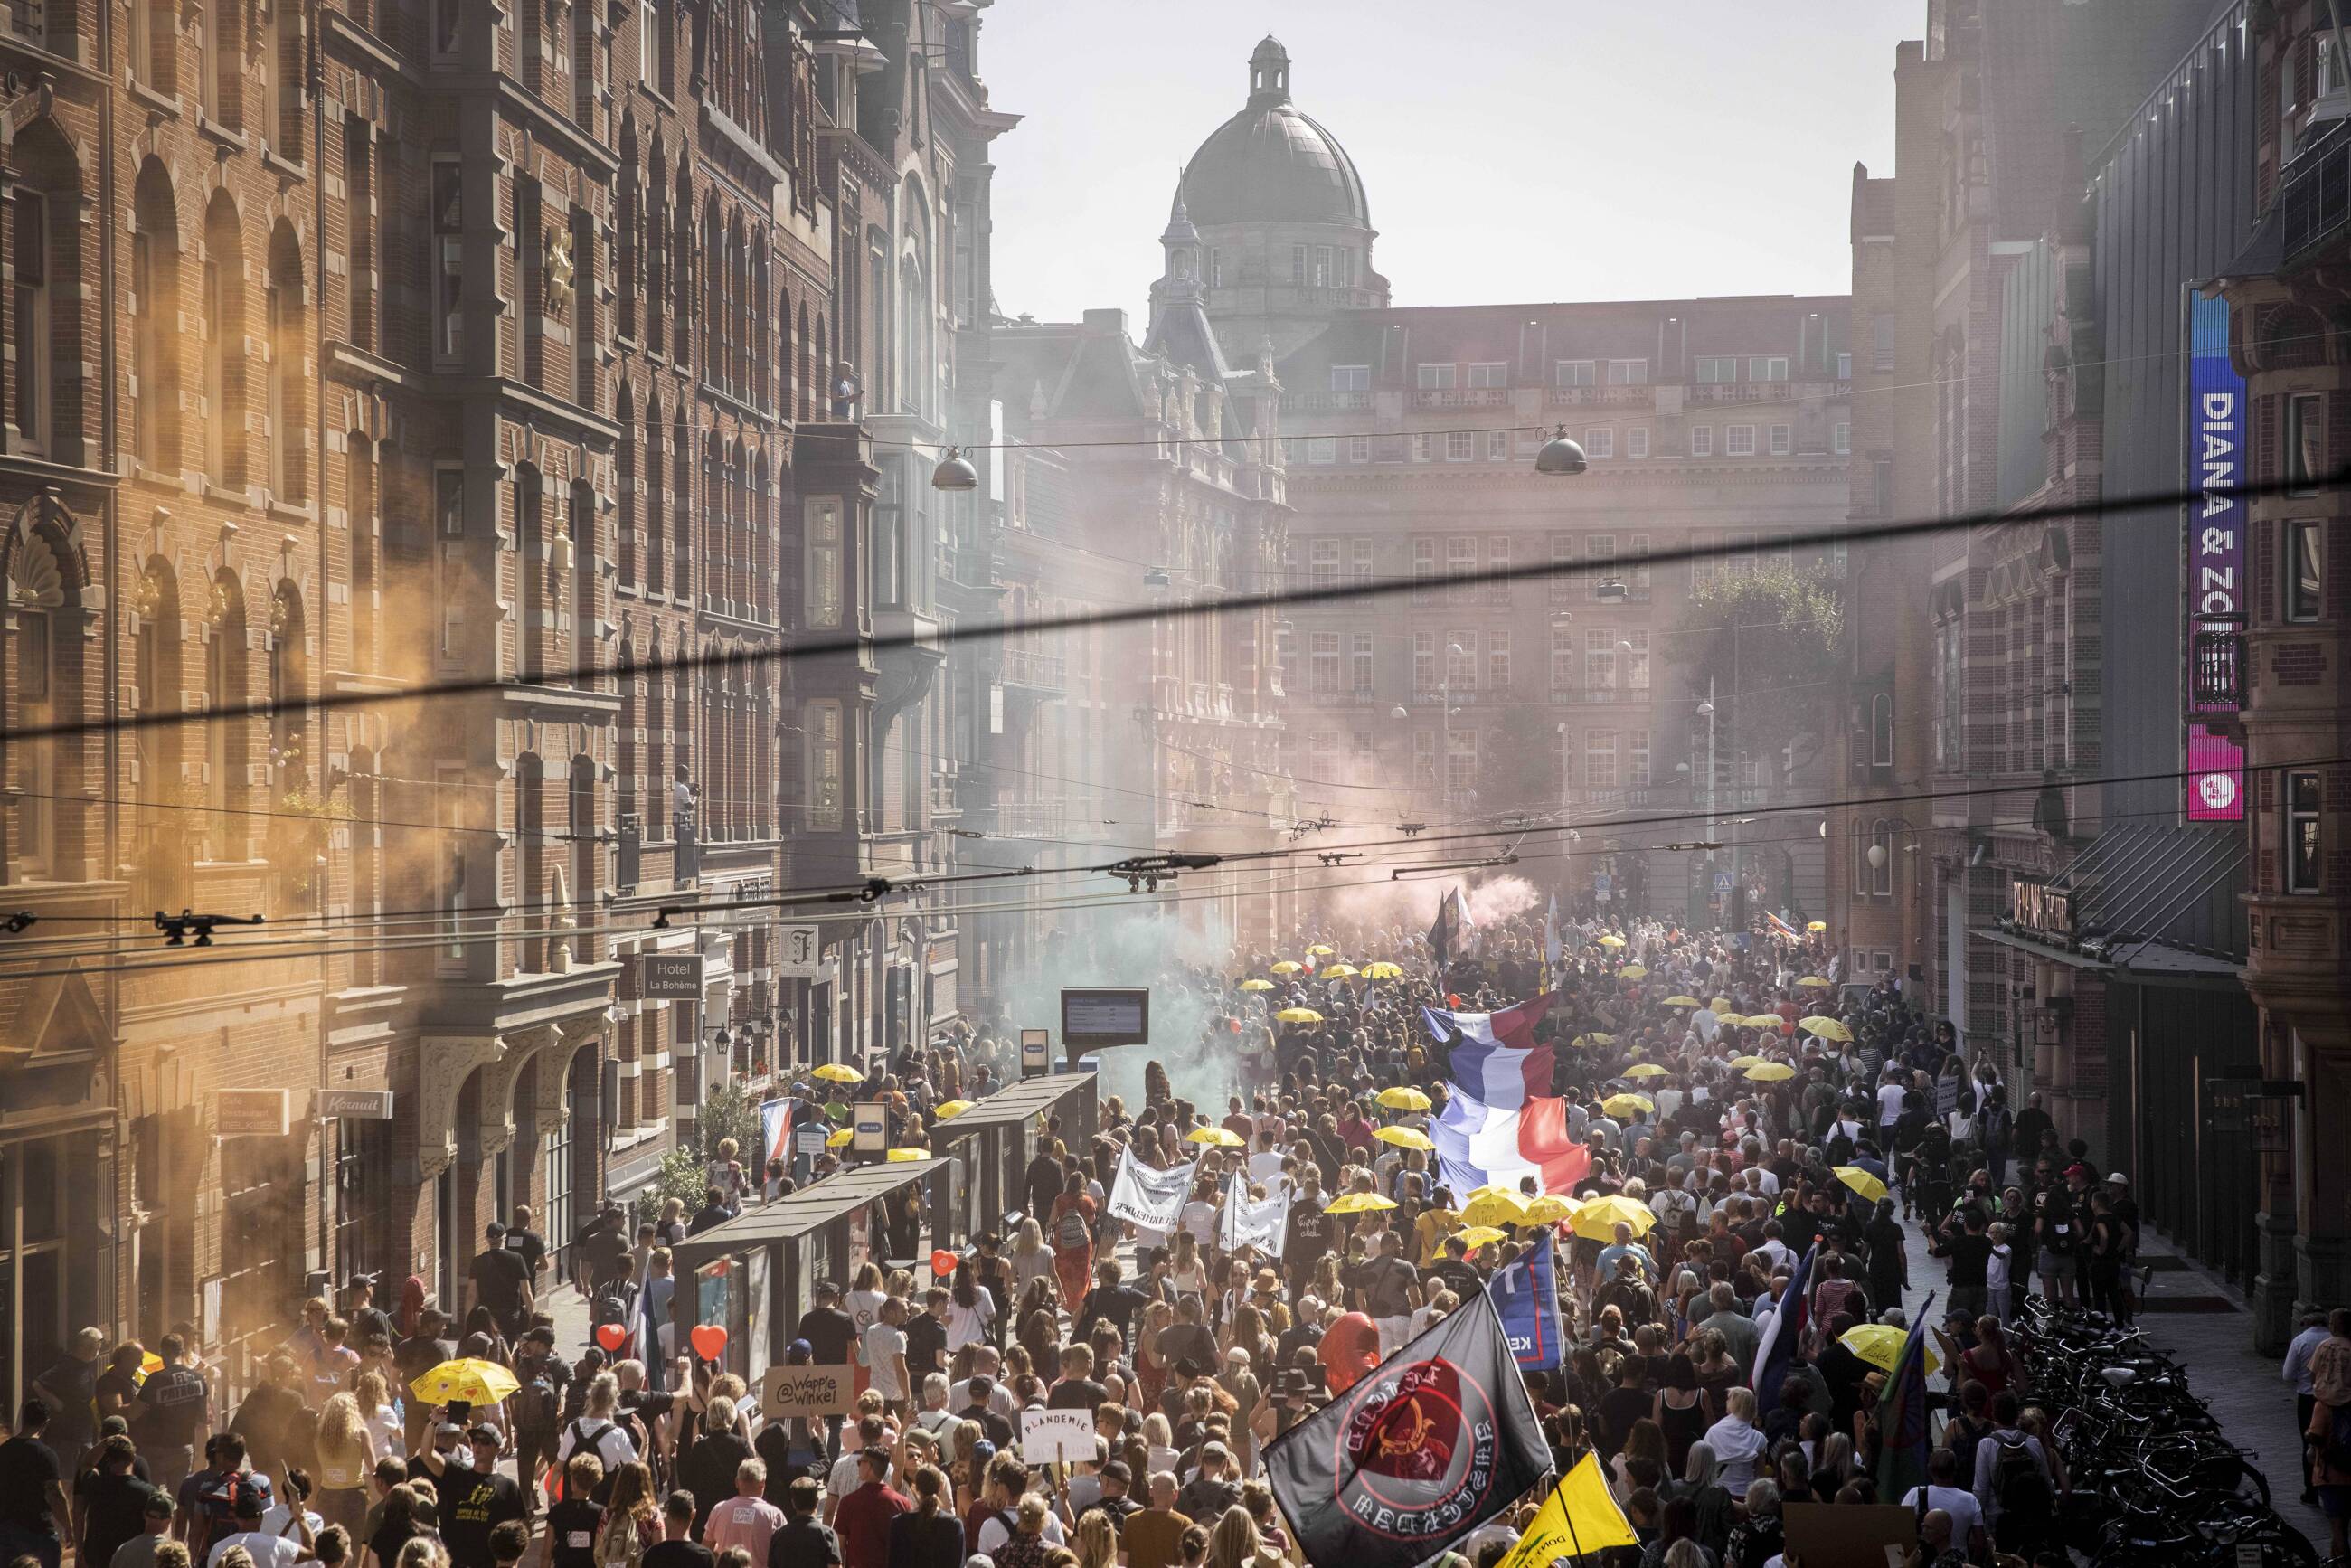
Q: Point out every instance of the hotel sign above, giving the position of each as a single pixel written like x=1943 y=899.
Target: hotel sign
x=2037 y=909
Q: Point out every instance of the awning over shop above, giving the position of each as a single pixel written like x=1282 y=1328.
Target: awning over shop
x=2159 y=900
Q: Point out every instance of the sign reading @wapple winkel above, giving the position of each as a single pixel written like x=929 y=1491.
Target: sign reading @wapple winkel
x=808 y=1391
x=1426 y=1448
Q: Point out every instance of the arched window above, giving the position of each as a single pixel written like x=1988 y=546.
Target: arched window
x=161 y=849
x=580 y=820
x=821 y=385
x=582 y=567
x=155 y=44
x=656 y=508
x=681 y=511
x=1881 y=730
x=227 y=747
x=763 y=378
x=717 y=269
x=806 y=386
x=626 y=556
x=154 y=324
x=41 y=684
x=224 y=328
x=632 y=279
x=681 y=262
x=289 y=689
x=213 y=48
x=657 y=710
x=630 y=747
x=531 y=555
x=363 y=504
x=656 y=247
x=531 y=914
x=44 y=250
x=289 y=348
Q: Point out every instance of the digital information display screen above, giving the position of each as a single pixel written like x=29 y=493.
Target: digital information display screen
x=1098 y=1018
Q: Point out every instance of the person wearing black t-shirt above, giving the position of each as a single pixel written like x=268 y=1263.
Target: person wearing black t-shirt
x=1109 y=1301
x=110 y=1502
x=502 y=1283
x=1077 y=1390
x=709 y=1469
x=1310 y=1233
x=474 y=1502
x=926 y=1337
x=1453 y=1270
x=677 y=1549
x=1969 y=1253
x=573 y=1523
x=1621 y=1406
x=175 y=1411
x=32 y=1500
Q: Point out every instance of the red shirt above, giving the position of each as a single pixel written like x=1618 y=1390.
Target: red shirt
x=863 y=1522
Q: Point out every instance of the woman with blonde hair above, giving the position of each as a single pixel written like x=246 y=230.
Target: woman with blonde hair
x=1235 y=1543
x=1097 y=1541
x=376 y=1408
x=632 y=1519
x=1150 y=1371
x=346 y=1452
x=1031 y=1257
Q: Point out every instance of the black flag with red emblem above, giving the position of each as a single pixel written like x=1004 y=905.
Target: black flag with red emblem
x=1440 y=1439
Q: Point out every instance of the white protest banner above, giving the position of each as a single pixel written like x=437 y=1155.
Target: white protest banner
x=1264 y=1226
x=1152 y=1199
x=1057 y=1437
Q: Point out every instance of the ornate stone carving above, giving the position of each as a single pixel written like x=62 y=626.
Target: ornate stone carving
x=444 y=1063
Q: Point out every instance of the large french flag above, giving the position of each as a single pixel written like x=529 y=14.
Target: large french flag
x=1501 y=1124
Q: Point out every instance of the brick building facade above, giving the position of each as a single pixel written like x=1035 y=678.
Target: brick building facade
x=361 y=345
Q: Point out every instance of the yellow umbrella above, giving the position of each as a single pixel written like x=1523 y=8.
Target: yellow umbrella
x=1771 y=1072
x=1320 y=951
x=1826 y=1028
x=1257 y=985
x=1682 y=1002
x=1765 y=1020
x=1880 y=1344
x=1645 y=1069
x=150 y=1364
x=1595 y=1038
x=1221 y=1138
x=1404 y=1097
x=1495 y=1207
x=1551 y=1210
x=1633 y=972
x=1341 y=972
x=840 y=1140
x=1626 y=1104
x=1478 y=1235
x=1287 y=966
x=469 y=1378
x=1382 y=971
x=1359 y=1203
x=1862 y=1182
x=1815 y=982
x=1299 y=1015
x=906 y=1156
x=1405 y=1138
x=1612 y=940
x=1719 y=1004
x=1816 y=925
x=834 y=1073
x=1748 y=1061
x=951 y=1110
x=1597 y=1220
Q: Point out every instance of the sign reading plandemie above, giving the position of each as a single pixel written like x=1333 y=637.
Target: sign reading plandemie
x=2217 y=421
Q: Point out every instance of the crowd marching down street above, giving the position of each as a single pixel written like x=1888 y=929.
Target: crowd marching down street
x=1544 y=1240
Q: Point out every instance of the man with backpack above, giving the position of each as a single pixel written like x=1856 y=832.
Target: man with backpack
x=537 y=1408
x=2013 y=1485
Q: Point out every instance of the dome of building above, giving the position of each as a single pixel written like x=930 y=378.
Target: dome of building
x=1271 y=163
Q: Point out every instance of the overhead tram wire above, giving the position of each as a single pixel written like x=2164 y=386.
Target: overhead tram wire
x=1260 y=879
x=1824 y=537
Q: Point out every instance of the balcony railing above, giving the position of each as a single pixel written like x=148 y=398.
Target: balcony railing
x=1740 y=392
x=1037 y=672
x=1587 y=696
x=1031 y=819
x=1601 y=397
x=1326 y=403
x=2314 y=193
x=2219 y=667
x=1462 y=397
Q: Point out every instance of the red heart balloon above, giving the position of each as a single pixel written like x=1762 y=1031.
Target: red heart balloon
x=709 y=1340
x=942 y=1262
x=612 y=1336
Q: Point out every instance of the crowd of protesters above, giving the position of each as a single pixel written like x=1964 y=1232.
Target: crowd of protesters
x=1192 y=1360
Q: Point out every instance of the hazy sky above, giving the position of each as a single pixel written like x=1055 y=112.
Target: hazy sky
x=1512 y=150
